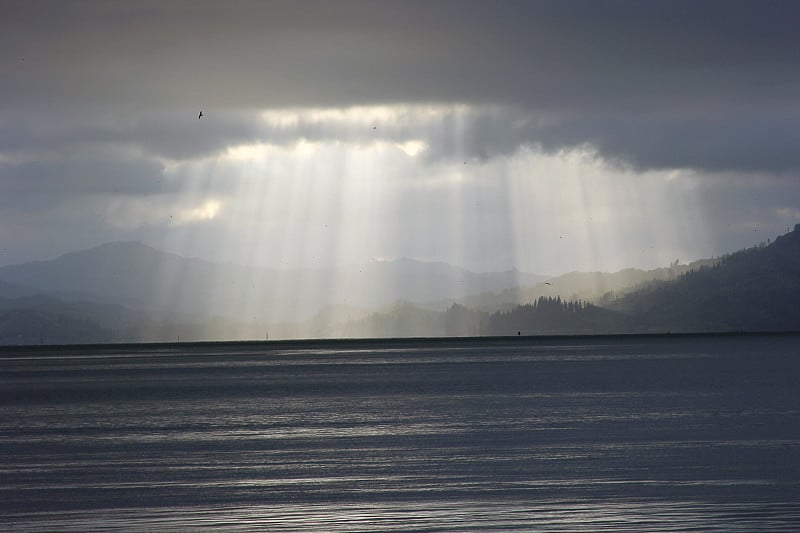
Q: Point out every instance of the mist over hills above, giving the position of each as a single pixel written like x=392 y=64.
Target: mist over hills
x=757 y=289
x=595 y=287
x=129 y=292
x=170 y=286
x=11 y=290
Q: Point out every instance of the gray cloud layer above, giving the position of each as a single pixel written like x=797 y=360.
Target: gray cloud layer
x=713 y=86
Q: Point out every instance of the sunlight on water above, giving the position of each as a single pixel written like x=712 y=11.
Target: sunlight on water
x=670 y=434
x=438 y=516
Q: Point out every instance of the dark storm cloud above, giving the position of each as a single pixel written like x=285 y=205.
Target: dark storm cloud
x=101 y=173
x=168 y=134
x=709 y=85
x=745 y=141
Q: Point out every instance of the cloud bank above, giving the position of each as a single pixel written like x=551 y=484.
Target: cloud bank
x=705 y=85
x=99 y=130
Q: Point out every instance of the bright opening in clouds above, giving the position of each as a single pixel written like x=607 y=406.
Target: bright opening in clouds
x=544 y=136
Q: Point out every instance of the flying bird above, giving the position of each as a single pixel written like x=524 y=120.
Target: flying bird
x=200 y=115
x=548 y=283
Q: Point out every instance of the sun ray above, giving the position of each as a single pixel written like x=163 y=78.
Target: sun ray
x=403 y=181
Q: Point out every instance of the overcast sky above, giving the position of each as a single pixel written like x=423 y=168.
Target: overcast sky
x=550 y=136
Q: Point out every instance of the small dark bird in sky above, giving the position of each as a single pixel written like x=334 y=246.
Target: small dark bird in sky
x=200 y=115
x=548 y=283
x=374 y=127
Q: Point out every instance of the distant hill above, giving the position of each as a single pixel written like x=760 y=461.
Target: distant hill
x=171 y=287
x=67 y=300
x=551 y=316
x=11 y=290
x=46 y=319
x=599 y=288
x=30 y=326
x=757 y=289
x=546 y=316
x=125 y=273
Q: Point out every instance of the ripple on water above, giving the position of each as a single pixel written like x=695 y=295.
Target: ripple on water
x=436 y=516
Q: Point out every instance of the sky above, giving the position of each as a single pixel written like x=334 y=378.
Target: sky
x=549 y=136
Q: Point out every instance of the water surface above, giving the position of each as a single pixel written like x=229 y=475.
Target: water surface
x=616 y=433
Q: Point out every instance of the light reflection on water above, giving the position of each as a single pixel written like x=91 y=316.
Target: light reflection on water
x=435 y=517
x=674 y=434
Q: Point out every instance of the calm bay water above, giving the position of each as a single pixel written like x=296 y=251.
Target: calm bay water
x=586 y=434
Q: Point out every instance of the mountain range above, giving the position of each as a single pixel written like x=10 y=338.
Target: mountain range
x=166 y=285
x=134 y=293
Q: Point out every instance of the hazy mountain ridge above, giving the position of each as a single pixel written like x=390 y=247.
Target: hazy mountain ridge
x=600 y=288
x=167 y=290
x=751 y=290
x=46 y=319
x=174 y=287
x=12 y=290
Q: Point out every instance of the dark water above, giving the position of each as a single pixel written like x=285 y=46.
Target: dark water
x=588 y=434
